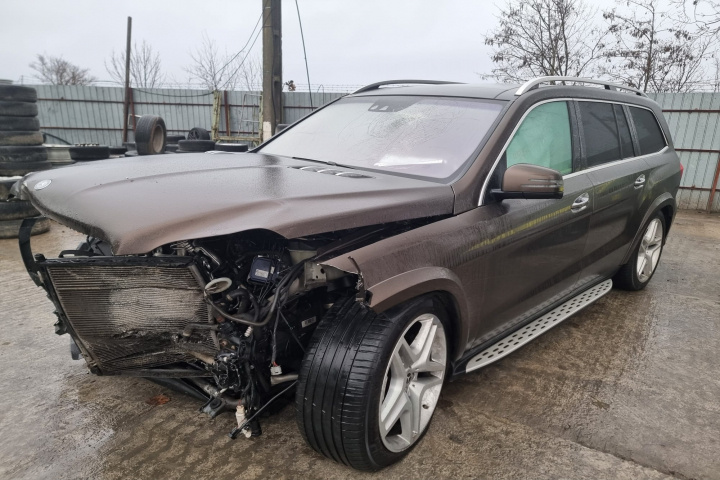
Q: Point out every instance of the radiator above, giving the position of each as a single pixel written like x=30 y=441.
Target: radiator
x=130 y=316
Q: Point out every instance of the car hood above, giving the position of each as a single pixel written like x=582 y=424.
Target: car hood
x=140 y=203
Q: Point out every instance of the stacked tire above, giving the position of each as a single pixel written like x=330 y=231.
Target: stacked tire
x=21 y=152
x=21 y=149
x=12 y=213
x=172 y=143
x=88 y=152
x=198 y=141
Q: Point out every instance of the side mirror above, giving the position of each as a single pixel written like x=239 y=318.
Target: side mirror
x=530 y=181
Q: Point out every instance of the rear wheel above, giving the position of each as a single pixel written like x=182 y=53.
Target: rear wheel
x=636 y=274
x=369 y=383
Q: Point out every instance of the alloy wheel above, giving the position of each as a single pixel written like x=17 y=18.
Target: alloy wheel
x=412 y=383
x=649 y=251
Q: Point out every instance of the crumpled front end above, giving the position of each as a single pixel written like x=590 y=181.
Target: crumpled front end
x=127 y=315
x=226 y=319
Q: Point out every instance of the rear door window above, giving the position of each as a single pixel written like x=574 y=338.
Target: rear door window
x=602 y=144
x=543 y=139
x=649 y=135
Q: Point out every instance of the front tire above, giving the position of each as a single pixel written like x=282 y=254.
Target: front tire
x=370 y=383
x=636 y=274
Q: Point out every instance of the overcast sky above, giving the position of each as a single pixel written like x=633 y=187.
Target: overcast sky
x=349 y=43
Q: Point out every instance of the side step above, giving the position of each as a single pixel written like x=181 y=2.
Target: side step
x=537 y=327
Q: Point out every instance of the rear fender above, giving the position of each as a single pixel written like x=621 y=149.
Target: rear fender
x=664 y=200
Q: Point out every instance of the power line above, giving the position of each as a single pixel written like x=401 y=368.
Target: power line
x=249 y=50
x=242 y=49
x=247 y=54
x=302 y=36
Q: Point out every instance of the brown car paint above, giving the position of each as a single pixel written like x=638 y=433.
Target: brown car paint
x=505 y=258
x=501 y=263
x=531 y=181
x=509 y=261
x=138 y=205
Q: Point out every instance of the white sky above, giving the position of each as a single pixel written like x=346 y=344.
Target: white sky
x=347 y=42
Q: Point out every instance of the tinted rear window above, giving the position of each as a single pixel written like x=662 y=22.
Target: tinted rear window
x=648 y=131
x=425 y=136
x=600 y=131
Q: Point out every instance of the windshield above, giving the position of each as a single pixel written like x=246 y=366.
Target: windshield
x=425 y=136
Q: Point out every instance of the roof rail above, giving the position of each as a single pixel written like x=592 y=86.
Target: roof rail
x=536 y=82
x=375 y=86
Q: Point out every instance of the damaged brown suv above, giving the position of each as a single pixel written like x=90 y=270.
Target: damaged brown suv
x=392 y=239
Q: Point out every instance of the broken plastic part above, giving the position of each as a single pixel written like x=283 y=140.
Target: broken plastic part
x=218 y=285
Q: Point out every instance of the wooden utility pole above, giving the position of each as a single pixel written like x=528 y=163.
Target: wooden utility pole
x=127 y=81
x=272 y=67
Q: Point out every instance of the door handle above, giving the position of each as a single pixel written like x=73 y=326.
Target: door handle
x=640 y=181
x=580 y=203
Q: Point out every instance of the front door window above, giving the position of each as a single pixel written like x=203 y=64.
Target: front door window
x=543 y=139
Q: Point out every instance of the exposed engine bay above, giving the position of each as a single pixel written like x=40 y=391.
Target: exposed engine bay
x=226 y=319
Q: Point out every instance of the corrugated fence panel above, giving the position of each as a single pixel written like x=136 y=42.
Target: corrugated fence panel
x=694 y=121
x=94 y=115
x=297 y=104
x=180 y=109
x=80 y=114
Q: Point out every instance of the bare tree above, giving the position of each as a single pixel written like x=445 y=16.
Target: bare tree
x=249 y=72
x=145 y=67
x=544 y=37
x=705 y=14
x=58 y=71
x=218 y=71
x=653 y=51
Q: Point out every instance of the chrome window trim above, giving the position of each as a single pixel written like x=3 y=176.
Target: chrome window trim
x=616 y=162
x=631 y=105
x=483 y=191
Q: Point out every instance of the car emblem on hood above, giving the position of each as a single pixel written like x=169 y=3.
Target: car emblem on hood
x=42 y=184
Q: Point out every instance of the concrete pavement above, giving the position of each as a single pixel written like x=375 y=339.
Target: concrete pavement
x=627 y=388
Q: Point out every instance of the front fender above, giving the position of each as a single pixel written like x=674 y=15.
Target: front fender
x=401 y=288
x=389 y=292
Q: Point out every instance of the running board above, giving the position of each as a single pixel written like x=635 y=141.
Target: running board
x=537 y=327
